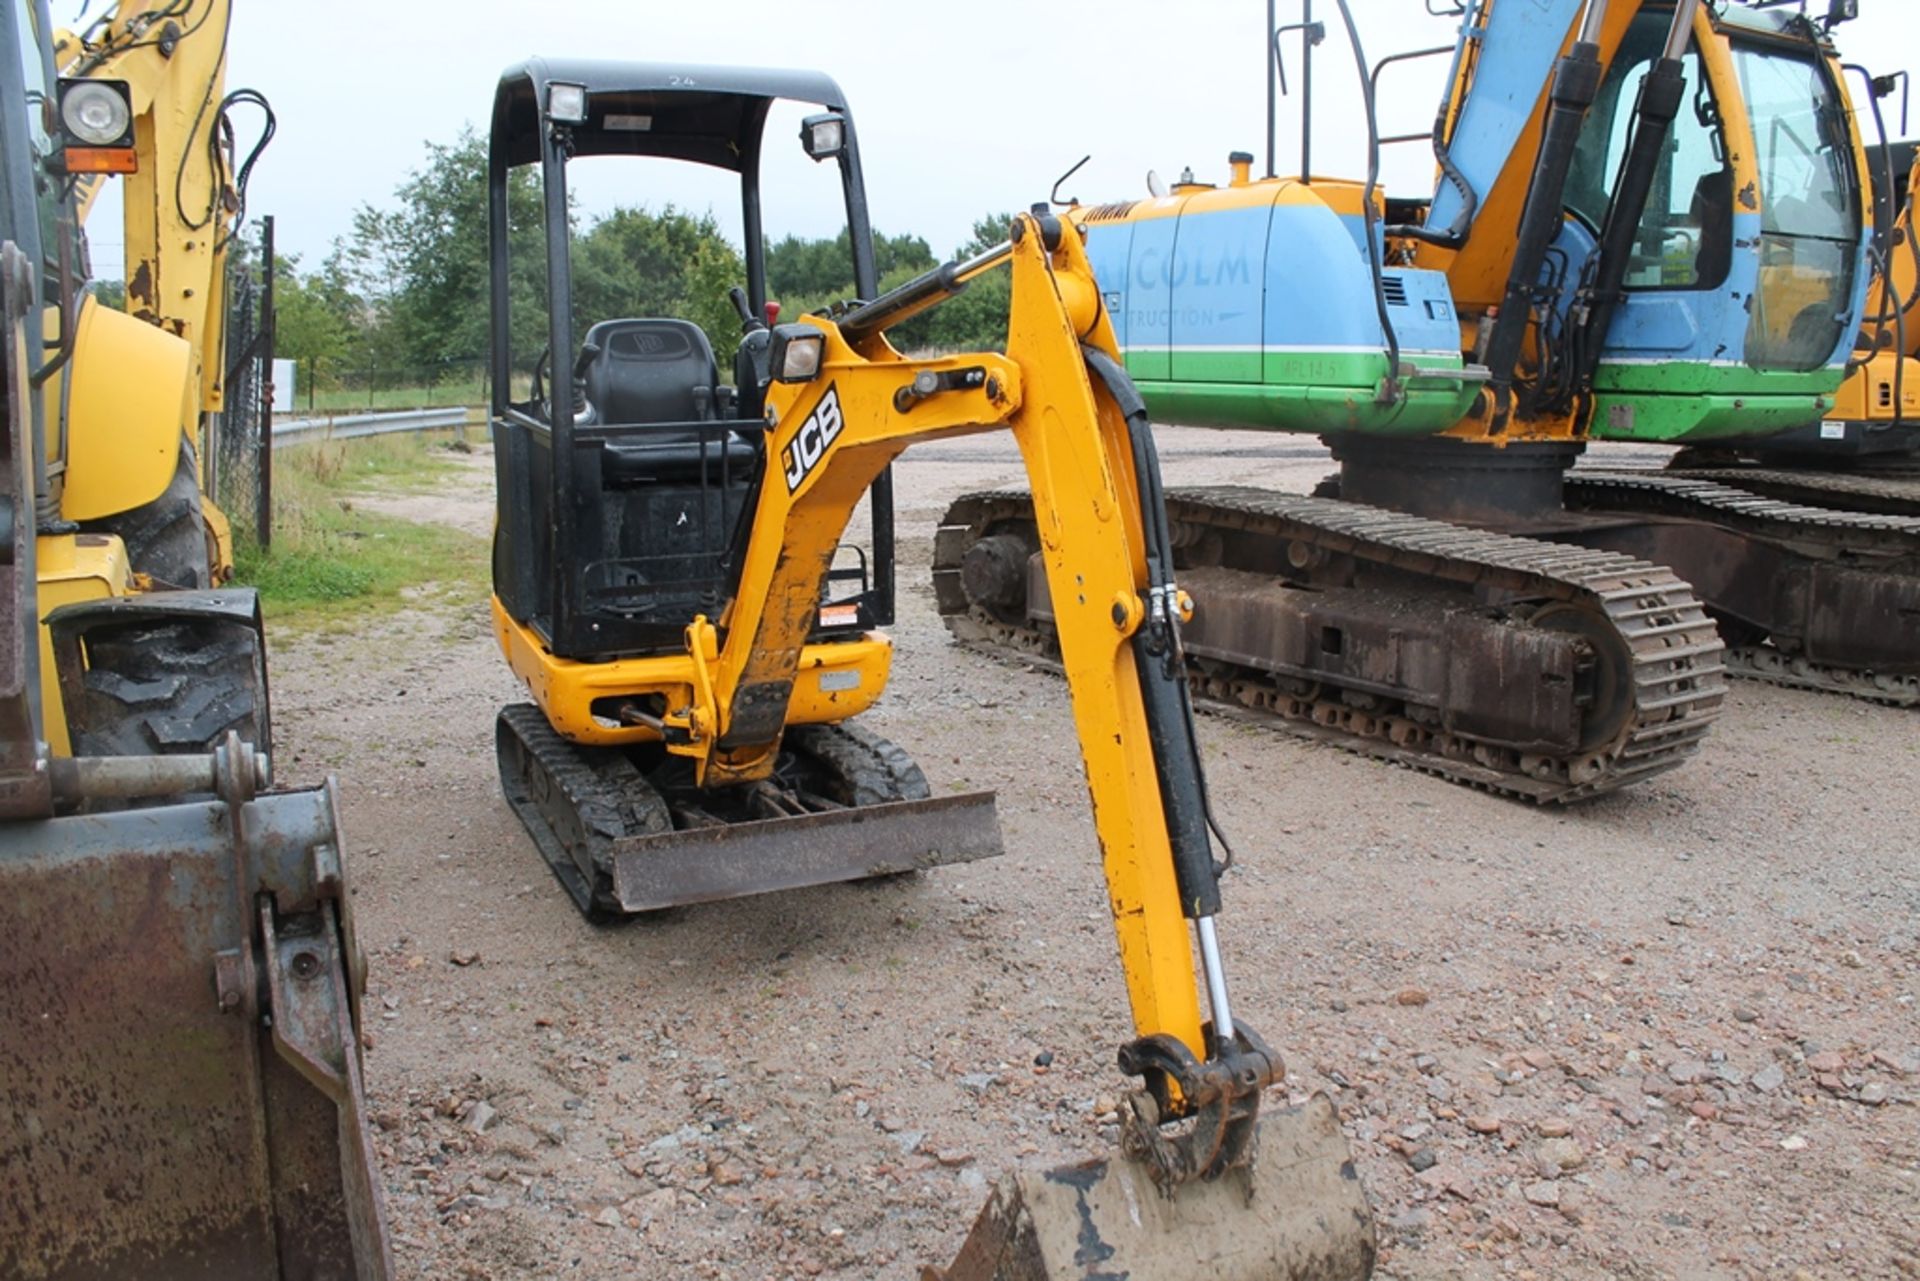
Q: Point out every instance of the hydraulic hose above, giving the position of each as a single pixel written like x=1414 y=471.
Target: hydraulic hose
x=1455 y=234
x=1576 y=83
x=912 y=297
x=1162 y=667
x=1660 y=97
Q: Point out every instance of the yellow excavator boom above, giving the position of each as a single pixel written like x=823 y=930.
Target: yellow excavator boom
x=180 y=202
x=1087 y=450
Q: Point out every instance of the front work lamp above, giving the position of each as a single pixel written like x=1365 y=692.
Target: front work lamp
x=795 y=354
x=824 y=135
x=567 y=104
x=96 y=126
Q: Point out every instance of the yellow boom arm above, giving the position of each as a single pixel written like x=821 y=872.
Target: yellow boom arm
x=830 y=438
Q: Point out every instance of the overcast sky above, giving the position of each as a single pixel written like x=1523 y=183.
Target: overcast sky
x=962 y=109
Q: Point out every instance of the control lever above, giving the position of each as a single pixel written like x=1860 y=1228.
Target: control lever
x=587 y=353
x=748 y=321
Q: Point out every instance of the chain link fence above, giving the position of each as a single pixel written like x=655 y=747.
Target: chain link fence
x=343 y=388
x=238 y=468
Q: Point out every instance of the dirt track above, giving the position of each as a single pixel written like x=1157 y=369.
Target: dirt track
x=1668 y=1034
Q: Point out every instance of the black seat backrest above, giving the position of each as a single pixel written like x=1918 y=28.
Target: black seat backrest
x=647 y=371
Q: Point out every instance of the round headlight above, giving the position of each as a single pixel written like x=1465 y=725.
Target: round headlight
x=94 y=114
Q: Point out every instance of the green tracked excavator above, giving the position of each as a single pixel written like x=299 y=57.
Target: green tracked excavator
x=1646 y=225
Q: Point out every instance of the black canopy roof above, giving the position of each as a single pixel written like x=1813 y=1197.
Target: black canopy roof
x=709 y=115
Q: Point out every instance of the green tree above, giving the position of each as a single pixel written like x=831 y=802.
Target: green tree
x=637 y=263
x=435 y=245
x=111 y=293
x=976 y=318
x=406 y=292
x=422 y=267
x=820 y=272
x=315 y=322
x=808 y=275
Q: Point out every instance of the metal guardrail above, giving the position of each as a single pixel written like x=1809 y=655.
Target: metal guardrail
x=303 y=431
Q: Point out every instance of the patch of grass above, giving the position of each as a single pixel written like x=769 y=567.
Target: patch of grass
x=305 y=579
x=333 y=561
x=402 y=463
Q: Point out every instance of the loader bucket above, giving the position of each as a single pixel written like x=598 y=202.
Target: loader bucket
x=703 y=864
x=179 y=1048
x=1299 y=1214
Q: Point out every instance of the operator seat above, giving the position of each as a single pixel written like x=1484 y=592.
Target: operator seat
x=651 y=370
x=643 y=371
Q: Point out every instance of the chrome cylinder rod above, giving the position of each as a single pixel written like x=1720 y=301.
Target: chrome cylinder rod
x=1216 y=976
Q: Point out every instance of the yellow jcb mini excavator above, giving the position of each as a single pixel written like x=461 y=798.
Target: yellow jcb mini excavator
x=179 y=981
x=665 y=547
x=689 y=741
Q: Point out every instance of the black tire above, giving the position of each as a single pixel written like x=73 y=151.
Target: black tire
x=171 y=687
x=167 y=538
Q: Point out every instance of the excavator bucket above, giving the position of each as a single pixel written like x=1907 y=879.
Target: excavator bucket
x=178 y=987
x=1298 y=1215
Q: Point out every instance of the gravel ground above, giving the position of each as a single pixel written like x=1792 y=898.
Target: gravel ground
x=1667 y=1034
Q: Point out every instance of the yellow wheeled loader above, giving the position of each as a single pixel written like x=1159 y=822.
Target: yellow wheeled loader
x=180 y=1090
x=664 y=584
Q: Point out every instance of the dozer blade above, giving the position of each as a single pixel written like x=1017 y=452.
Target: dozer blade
x=609 y=834
x=1298 y=1215
x=181 y=1065
x=702 y=864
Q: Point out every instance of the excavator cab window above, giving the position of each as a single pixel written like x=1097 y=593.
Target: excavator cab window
x=1810 y=222
x=39 y=207
x=1686 y=233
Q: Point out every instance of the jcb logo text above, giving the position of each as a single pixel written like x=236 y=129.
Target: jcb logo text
x=809 y=445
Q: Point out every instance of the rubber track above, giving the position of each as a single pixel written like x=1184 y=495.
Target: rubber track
x=608 y=799
x=1677 y=672
x=1889 y=542
x=868 y=769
